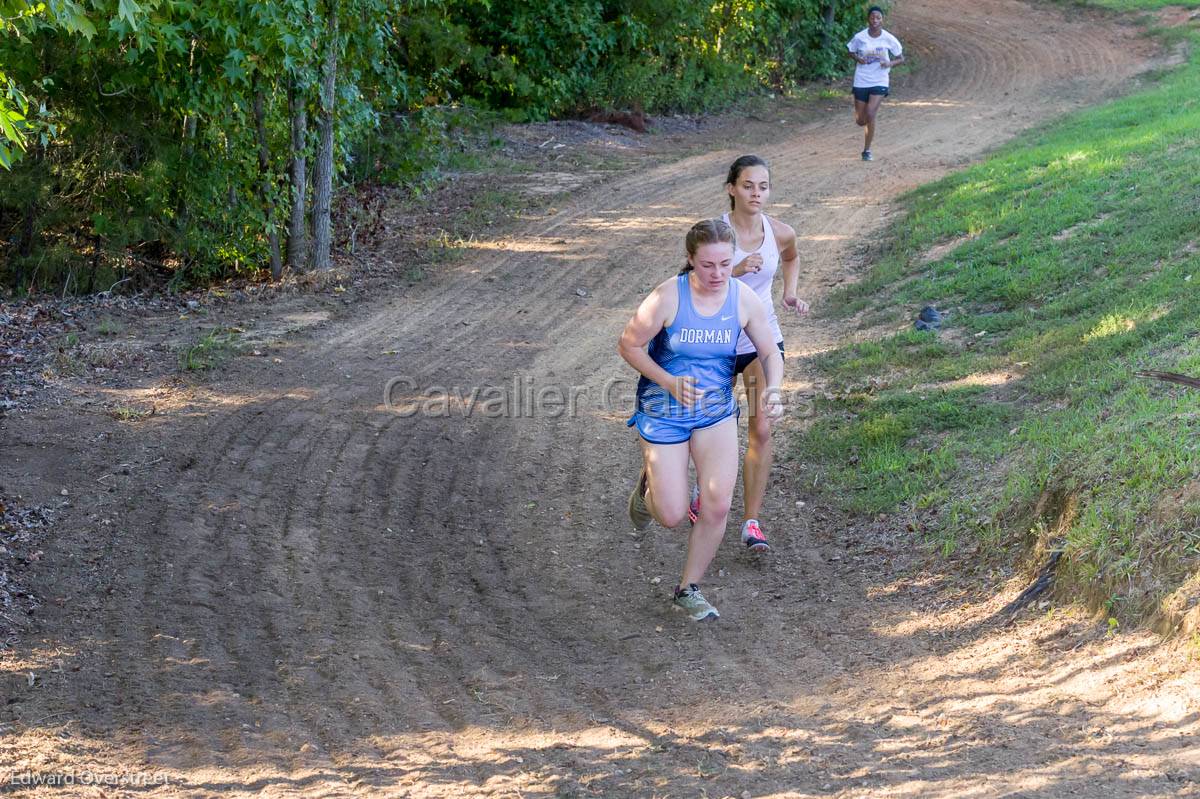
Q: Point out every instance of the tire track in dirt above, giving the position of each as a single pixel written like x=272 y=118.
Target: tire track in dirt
x=238 y=619
x=429 y=663
x=185 y=572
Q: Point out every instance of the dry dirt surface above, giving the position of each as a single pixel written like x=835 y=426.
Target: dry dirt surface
x=279 y=586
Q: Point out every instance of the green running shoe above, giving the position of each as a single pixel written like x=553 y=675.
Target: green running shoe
x=638 y=513
x=691 y=600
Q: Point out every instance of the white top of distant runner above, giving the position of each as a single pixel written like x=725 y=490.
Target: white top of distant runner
x=874 y=49
x=760 y=282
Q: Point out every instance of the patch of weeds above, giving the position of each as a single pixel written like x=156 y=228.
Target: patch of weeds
x=101 y=357
x=126 y=413
x=109 y=327
x=488 y=207
x=487 y=210
x=210 y=351
x=414 y=150
x=66 y=359
x=442 y=246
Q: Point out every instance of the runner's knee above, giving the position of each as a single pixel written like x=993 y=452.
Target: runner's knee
x=760 y=431
x=716 y=508
x=672 y=515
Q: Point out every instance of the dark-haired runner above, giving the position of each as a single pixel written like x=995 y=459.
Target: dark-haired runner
x=764 y=246
x=875 y=51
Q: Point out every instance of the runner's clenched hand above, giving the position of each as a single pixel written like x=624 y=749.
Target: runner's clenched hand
x=751 y=263
x=795 y=303
x=771 y=404
x=683 y=388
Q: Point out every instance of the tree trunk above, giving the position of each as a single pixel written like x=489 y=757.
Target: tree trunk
x=91 y=286
x=726 y=19
x=28 y=237
x=25 y=247
x=264 y=174
x=323 y=174
x=190 y=127
x=25 y=241
x=189 y=134
x=297 y=246
x=830 y=18
x=231 y=199
x=189 y=120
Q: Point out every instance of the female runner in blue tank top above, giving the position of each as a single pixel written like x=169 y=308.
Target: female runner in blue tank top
x=683 y=340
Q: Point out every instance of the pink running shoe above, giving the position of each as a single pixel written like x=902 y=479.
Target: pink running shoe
x=694 y=508
x=753 y=538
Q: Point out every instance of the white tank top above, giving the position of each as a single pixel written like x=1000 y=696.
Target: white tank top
x=760 y=282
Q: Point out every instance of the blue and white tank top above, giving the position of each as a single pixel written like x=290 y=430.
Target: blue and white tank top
x=760 y=282
x=703 y=347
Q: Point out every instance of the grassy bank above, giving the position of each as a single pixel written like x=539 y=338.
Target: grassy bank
x=1141 y=5
x=1065 y=263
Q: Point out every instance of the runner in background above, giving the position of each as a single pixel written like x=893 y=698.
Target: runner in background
x=875 y=51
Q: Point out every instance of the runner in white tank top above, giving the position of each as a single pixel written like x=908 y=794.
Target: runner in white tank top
x=760 y=281
x=764 y=247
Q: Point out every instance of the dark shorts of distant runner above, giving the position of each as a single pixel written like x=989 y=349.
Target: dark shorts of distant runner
x=863 y=93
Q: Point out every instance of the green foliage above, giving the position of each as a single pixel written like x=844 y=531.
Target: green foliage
x=412 y=149
x=540 y=58
x=129 y=131
x=1068 y=261
x=13 y=108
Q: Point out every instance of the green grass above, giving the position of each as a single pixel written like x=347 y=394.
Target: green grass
x=126 y=413
x=109 y=327
x=487 y=208
x=210 y=351
x=1078 y=264
x=1141 y=5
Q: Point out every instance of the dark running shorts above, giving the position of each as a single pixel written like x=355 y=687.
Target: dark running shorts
x=863 y=93
x=746 y=358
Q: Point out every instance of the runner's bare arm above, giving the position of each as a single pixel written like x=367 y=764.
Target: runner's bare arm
x=656 y=311
x=898 y=60
x=789 y=263
x=754 y=319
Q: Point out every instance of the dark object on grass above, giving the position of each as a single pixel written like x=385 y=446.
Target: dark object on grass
x=1172 y=377
x=928 y=319
x=1044 y=579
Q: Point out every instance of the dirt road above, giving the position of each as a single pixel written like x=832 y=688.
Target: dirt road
x=292 y=590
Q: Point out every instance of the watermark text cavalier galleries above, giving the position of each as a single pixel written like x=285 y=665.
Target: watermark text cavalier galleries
x=523 y=397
